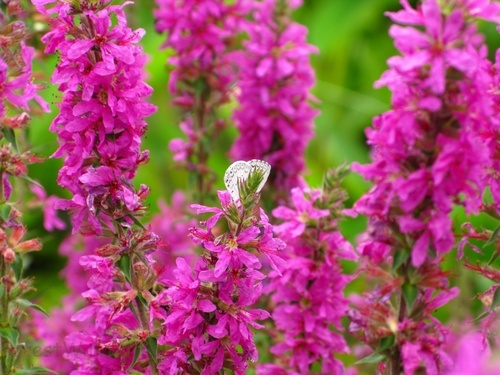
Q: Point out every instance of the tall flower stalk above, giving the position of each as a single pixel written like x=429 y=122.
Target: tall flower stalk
x=427 y=155
x=471 y=237
x=203 y=36
x=99 y=128
x=17 y=91
x=211 y=314
x=308 y=298
x=275 y=116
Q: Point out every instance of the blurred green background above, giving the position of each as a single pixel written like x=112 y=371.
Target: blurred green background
x=353 y=48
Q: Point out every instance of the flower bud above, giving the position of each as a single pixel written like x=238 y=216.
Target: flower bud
x=107 y=250
x=8 y=255
x=144 y=277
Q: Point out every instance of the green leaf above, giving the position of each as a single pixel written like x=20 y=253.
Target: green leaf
x=152 y=347
x=496 y=299
x=9 y=135
x=399 y=258
x=200 y=86
x=137 y=353
x=372 y=358
x=10 y=334
x=386 y=343
x=17 y=266
x=137 y=222
x=124 y=265
x=28 y=304
x=34 y=370
x=5 y=210
x=29 y=179
x=481 y=316
x=410 y=293
x=493 y=238
x=494 y=257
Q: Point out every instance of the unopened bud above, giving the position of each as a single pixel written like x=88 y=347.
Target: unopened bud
x=17 y=233
x=143 y=191
x=9 y=255
x=28 y=246
x=107 y=250
x=144 y=276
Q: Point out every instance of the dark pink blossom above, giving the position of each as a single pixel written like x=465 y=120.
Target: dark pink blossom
x=275 y=117
x=203 y=37
x=102 y=110
x=308 y=292
x=50 y=219
x=210 y=305
x=295 y=221
x=429 y=152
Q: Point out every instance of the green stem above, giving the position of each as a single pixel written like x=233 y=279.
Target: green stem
x=202 y=154
x=145 y=326
x=4 y=306
x=394 y=364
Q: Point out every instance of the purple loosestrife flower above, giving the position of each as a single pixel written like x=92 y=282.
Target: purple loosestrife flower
x=428 y=153
x=308 y=297
x=99 y=127
x=102 y=112
x=53 y=329
x=472 y=357
x=172 y=225
x=50 y=219
x=275 y=117
x=203 y=36
x=210 y=319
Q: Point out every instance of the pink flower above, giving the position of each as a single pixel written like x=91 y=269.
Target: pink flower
x=50 y=219
x=275 y=117
x=296 y=220
x=100 y=70
x=308 y=291
x=472 y=357
x=210 y=306
x=430 y=151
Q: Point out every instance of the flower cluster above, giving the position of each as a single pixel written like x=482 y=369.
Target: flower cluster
x=203 y=36
x=55 y=328
x=99 y=128
x=308 y=297
x=275 y=115
x=208 y=327
x=472 y=357
x=428 y=154
x=102 y=112
x=16 y=76
x=172 y=225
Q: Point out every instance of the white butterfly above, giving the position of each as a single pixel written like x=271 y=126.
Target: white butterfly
x=240 y=170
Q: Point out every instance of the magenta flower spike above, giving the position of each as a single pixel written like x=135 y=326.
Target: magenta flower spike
x=99 y=127
x=211 y=317
x=307 y=295
x=275 y=117
x=428 y=154
x=204 y=37
x=102 y=112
